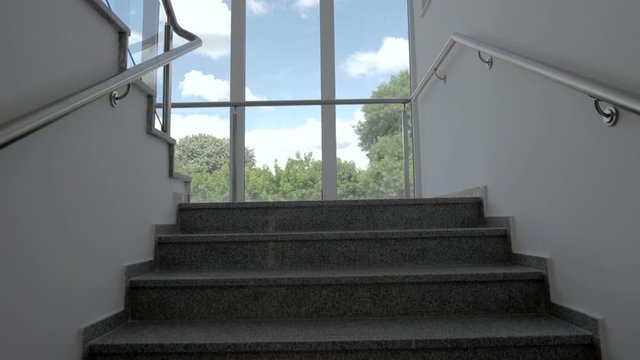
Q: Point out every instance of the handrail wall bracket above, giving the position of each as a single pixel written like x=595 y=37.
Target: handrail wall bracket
x=115 y=97
x=488 y=61
x=609 y=114
x=442 y=78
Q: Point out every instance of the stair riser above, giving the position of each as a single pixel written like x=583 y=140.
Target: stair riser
x=272 y=255
x=565 y=352
x=337 y=301
x=329 y=218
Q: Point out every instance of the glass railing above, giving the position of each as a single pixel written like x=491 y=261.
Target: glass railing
x=147 y=21
x=203 y=151
x=283 y=152
x=371 y=155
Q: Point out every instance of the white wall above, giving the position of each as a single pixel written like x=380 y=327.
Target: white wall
x=50 y=49
x=79 y=200
x=542 y=151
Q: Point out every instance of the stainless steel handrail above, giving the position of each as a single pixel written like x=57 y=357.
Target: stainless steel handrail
x=24 y=125
x=269 y=103
x=593 y=88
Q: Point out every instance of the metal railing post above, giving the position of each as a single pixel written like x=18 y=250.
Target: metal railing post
x=233 y=158
x=166 y=82
x=405 y=153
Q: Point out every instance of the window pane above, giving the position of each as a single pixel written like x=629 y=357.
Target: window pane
x=202 y=151
x=284 y=160
x=370 y=152
x=143 y=19
x=283 y=51
x=369 y=52
x=204 y=75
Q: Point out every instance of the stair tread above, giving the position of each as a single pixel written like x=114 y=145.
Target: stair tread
x=443 y=273
x=309 y=335
x=332 y=235
x=331 y=203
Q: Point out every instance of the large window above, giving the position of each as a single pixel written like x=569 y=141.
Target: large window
x=281 y=44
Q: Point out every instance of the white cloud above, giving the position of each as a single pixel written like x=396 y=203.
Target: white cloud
x=347 y=140
x=135 y=43
x=277 y=144
x=306 y=4
x=250 y=96
x=207 y=86
x=196 y=83
x=134 y=37
x=390 y=58
x=257 y=7
x=185 y=125
x=280 y=144
x=210 y=20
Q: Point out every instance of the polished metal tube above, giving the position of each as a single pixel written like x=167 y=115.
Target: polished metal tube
x=269 y=103
x=166 y=82
x=405 y=154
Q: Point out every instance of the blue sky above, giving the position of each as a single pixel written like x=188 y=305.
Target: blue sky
x=283 y=62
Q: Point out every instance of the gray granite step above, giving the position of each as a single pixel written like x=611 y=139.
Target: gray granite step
x=295 y=250
x=338 y=293
x=348 y=280
x=331 y=215
x=520 y=337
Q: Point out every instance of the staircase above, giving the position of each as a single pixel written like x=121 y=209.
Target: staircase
x=388 y=279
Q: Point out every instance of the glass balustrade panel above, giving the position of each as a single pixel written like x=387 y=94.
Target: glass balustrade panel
x=283 y=154
x=202 y=151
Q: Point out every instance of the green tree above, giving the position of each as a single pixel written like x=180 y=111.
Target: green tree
x=205 y=154
x=350 y=181
x=380 y=136
x=379 y=119
x=210 y=187
x=300 y=179
x=260 y=184
x=384 y=178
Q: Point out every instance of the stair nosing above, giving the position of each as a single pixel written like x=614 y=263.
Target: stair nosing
x=362 y=235
x=409 y=344
x=576 y=336
x=321 y=204
x=325 y=277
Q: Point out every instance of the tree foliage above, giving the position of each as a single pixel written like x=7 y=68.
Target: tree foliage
x=205 y=154
x=382 y=120
x=384 y=178
x=299 y=179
